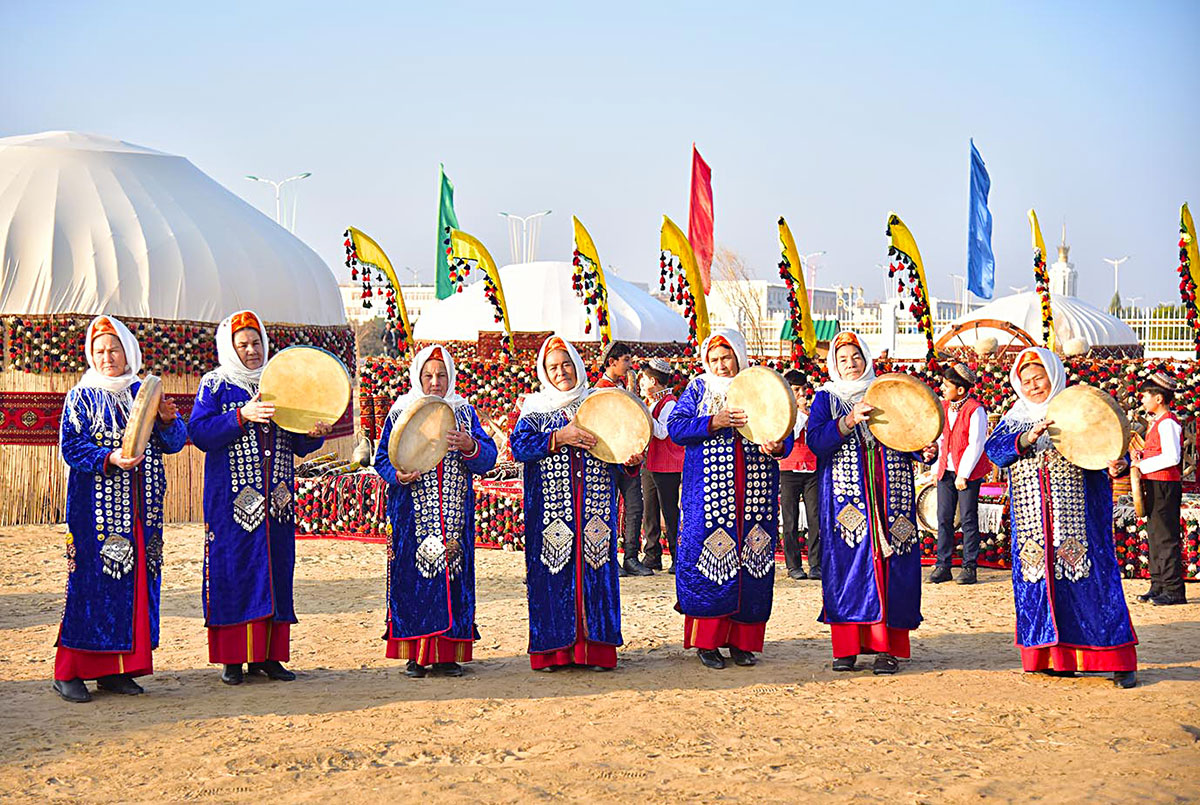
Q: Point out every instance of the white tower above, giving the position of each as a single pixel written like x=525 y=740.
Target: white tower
x=1062 y=273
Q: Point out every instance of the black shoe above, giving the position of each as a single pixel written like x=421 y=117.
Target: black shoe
x=672 y=570
x=232 y=675
x=939 y=574
x=798 y=574
x=621 y=572
x=966 y=576
x=1125 y=679
x=743 y=658
x=885 y=665
x=711 y=658
x=845 y=663
x=273 y=669
x=653 y=564
x=414 y=669
x=448 y=668
x=1147 y=596
x=73 y=690
x=1164 y=600
x=1058 y=674
x=635 y=568
x=119 y=683
x=814 y=573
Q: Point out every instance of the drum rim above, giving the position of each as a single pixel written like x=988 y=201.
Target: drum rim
x=595 y=393
x=909 y=379
x=345 y=372
x=768 y=371
x=406 y=416
x=161 y=392
x=1096 y=392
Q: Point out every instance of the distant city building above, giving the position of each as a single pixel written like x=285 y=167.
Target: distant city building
x=1062 y=273
x=416 y=299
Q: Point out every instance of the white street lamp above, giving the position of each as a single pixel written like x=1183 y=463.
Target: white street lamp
x=1116 y=264
x=524 y=245
x=277 y=186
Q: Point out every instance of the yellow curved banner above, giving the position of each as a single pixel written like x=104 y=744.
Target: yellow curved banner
x=901 y=239
x=370 y=254
x=674 y=241
x=808 y=333
x=585 y=246
x=1187 y=233
x=1039 y=250
x=467 y=247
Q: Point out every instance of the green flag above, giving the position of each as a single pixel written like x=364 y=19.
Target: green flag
x=447 y=220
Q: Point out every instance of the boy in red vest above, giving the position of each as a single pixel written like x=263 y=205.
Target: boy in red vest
x=960 y=471
x=798 y=480
x=663 y=466
x=1162 y=488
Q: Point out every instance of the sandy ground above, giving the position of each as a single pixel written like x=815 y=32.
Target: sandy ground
x=958 y=723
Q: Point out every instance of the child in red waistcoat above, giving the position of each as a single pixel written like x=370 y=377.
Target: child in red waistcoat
x=1162 y=488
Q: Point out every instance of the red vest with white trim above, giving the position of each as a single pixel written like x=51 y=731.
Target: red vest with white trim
x=956 y=440
x=1153 y=447
x=664 y=454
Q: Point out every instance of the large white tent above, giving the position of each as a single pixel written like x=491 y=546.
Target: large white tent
x=540 y=298
x=1073 y=319
x=94 y=225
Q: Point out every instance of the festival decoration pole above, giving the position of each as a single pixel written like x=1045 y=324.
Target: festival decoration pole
x=1189 y=272
x=362 y=251
x=465 y=250
x=792 y=273
x=588 y=281
x=1042 y=277
x=903 y=247
x=677 y=263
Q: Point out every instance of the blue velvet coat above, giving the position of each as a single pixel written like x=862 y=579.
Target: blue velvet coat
x=1066 y=581
x=728 y=515
x=249 y=509
x=101 y=510
x=570 y=536
x=431 y=553
x=867 y=504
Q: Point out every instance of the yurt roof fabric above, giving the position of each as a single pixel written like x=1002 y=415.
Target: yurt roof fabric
x=1073 y=318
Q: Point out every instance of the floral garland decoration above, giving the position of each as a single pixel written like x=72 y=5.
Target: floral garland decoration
x=587 y=280
x=903 y=248
x=678 y=270
x=1189 y=270
x=363 y=255
x=1041 y=277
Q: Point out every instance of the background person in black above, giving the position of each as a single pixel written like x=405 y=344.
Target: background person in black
x=798 y=480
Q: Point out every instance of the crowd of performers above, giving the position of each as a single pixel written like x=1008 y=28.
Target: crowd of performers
x=718 y=495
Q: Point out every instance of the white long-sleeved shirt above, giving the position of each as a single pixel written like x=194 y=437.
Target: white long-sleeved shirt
x=1169 y=436
x=976 y=436
x=660 y=421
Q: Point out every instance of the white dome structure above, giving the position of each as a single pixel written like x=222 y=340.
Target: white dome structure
x=93 y=225
x=540 y=298
x=1073 y=319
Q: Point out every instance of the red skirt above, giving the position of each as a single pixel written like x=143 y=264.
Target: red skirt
x=426 y=650
x=850 y=639
x=713 y=633
x=72 y=663
x=256 y=641
x=584 y=652
x=1070 y=658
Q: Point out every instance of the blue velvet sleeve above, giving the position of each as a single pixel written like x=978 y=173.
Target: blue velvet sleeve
x=210 y=428
x=383 y=462
x=485 y=457
x=686 y=427
x=528 y=443
x=171 y=438
x=1001 y=447
x=302 y=445
x=78 y=448
x=824 y=436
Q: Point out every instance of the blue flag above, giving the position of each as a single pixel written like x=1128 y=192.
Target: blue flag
x=981 y=265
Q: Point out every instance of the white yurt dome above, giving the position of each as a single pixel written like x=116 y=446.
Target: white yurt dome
x=93 y=225
x=1073 y=319
x=540 y=298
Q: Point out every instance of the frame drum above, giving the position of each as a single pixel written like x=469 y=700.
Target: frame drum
x=768 y=402
x=142 y=417
x=907 y=416
x=418 y=440
x=1089 y=428
x=308 y=385
x=620 y=422
x=927 y=504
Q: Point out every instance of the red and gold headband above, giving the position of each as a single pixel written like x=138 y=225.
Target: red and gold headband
x=244 y=319
x=103 y=327
x=436 y=355
x=844 y=338
x=719 y=341
x=1029 y=359
x=556 y=343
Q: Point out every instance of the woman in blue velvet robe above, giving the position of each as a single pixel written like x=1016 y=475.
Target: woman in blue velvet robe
x=871 y=559
x=249 y=507
x=114 y=522
x=729 y=511
x=570 y=522
x=1071 y=610
x=431 y=552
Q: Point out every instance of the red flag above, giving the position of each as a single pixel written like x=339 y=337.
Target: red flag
x=700 y=217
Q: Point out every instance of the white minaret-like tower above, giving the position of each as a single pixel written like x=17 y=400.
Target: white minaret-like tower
x=1062 y=273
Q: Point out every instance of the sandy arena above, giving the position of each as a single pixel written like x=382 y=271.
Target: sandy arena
x=958 y=723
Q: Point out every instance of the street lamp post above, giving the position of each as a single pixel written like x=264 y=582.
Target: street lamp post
x=278 y=185
x=524 y=246
x=1116 y=264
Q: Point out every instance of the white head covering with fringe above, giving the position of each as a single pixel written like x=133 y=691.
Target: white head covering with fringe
x=414 y=393
x=848 y=391
x=549 y=398
x=113 y=404
x=715 y=386
x=230 y=368
x=1024 y=412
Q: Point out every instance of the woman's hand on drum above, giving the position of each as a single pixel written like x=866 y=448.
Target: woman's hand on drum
x=115 y=459
x=728 y=418
x=167 y=410
x=772 y=448
x=258 y=411
x=861 y=412
x=929 y=453
x=638 y=459
x=320 y=430
x=1118 y=467
x=461 y=441
x=575 y=436
x=407 y=477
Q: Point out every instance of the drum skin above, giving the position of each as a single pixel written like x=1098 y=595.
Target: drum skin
x=418 y=440
x=908 y=416
x=927 y=501
x=307 y=385
x=620 y=422
x=768 y=402
x=142 y=417
x=1088 y=428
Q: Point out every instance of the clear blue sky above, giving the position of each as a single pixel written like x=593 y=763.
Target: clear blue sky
x=830 y=114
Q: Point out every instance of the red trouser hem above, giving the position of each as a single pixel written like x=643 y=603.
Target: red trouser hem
x=711 y=633
x=427 y=650
x=1070 y=658
x=850 y=639
x=256 y=641
x=584 y=652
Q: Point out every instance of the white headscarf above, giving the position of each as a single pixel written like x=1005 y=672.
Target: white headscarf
x=414 y=393
x=549 y=398
x=117 y=396
x=230 y=368
x=849 y=391
x=1024 y=411
x=713 y=385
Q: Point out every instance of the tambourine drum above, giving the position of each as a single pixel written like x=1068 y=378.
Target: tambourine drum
x=1089 y=429
x=307 y=385
x=908 y=416
x=142 y=417
x=768 y=402
x=620 y=422
x=418 y=440
x=927 y=504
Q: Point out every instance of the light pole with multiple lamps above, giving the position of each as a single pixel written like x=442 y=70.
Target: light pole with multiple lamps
x=278 y=185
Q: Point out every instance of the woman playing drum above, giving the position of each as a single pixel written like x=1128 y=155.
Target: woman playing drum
x=114 y=522
x=871 y=558
x=729 y=512
x=1071 y=611
x=570 y=521
x=250 y=529
x=431 y=555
